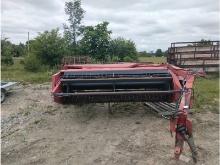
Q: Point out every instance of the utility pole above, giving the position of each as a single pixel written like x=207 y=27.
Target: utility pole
x=28 y=44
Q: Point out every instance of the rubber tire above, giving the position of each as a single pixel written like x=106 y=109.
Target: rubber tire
x=2 y=96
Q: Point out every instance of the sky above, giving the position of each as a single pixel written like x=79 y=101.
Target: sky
x=151 y=24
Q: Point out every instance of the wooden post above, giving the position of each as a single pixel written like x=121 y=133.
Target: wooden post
x=28 y=44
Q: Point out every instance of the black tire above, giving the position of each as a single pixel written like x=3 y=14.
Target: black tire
x=2 y=96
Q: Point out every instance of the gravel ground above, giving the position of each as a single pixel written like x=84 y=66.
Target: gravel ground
x=35 y=130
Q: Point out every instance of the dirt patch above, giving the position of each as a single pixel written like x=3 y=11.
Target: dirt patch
x=35 y=130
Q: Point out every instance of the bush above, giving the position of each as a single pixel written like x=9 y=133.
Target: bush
x=48 y=47
x=31 y=63
x=8 y=60
x=128 y=59
x=21 y=62
x=115 y=59
x=6 y=52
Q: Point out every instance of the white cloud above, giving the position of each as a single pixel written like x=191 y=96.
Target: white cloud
x=151 y=24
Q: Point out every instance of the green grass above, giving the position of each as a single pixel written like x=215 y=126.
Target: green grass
x=16 y=72
x=156 y=60
x=206 y=92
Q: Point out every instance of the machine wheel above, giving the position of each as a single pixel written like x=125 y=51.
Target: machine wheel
x=2 y=96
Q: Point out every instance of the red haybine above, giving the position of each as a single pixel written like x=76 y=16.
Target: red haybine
x=132 y=82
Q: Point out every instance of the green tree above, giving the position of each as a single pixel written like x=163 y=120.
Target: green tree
x=19 y=50
x=6 y=52
x=165 y=53
x=74 y=28
x=125 y=50
x=204 y=42
x=48 y=47
x=158 y=53
x=95 y=41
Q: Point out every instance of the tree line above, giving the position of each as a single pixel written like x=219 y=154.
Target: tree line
x=49 y=47
x=157 y=53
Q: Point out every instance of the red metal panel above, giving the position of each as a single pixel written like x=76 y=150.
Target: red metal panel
x=176 y=72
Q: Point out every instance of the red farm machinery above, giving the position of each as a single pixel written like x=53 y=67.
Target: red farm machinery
x=165 y=88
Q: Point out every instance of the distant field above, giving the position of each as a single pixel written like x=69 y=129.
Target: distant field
x=153 y=59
